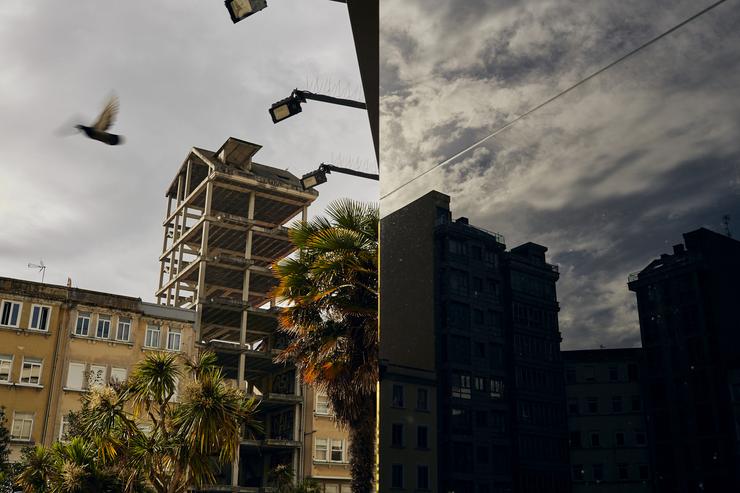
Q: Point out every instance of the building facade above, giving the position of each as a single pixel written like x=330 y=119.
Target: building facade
x=606 y=421
x=325 y=445
x=223 y=229
x=687 y=305
x=57 y=342
x=464 y=371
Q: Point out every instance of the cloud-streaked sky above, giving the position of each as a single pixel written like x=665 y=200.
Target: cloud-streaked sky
x=185 y=76
x=609 y=176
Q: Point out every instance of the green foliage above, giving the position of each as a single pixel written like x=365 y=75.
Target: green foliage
x=5 y=467
x=331 y=289
x=282 y=479
x=138 y=437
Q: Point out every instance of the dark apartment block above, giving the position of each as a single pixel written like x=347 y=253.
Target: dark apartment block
x=606 y=421
x=492 y=378
x=690 y=329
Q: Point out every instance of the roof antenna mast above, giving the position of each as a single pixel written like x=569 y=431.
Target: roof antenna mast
x=41 y=267
x=726 y=224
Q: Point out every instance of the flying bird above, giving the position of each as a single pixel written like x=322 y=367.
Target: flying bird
x=98 y=129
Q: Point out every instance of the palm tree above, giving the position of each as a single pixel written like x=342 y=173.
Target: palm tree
x=330 y=288
x=143 y=433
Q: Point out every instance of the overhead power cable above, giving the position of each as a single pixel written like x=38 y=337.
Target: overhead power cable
x=558 y=95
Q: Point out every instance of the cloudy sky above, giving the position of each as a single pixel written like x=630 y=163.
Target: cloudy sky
x=185 y=76
x=609 y=176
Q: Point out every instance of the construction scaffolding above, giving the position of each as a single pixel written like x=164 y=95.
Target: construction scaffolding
x=225 y=226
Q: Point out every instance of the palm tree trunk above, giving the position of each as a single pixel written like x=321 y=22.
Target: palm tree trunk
x=362 y=448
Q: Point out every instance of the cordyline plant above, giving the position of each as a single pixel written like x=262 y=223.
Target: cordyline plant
x=141 y=436
x=331 y=291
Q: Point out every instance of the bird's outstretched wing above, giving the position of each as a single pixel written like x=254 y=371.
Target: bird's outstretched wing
x=108 y=116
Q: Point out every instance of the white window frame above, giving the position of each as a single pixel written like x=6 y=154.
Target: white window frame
x=322 y=408
x=332 y=449
x=41 y=308
x=123 y=322
x=152 y=329
x=6 y=361
x=64 y=425
x=118 y=375
x=83 y=316
x=497 y=388
x=324 y=442
x=33 y=363
x=93 y=381
x=24 y=418
x=102 y=319
x=170 y=334
x=82 y=375
x=17 y=315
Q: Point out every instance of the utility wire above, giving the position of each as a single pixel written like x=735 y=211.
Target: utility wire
x=558 y=95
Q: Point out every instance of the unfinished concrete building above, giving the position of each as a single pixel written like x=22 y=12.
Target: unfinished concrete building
x=225 y=226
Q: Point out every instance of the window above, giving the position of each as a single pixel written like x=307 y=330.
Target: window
x=397 y=395
x=152 y=336
x=478 y=288
x=397 y=435
x=617 y=404
x=31 y=371
x=592 y=404
x=22 y=426
x=575 y=439
x=497 y=388
x=96 y=377
x=76 y=376
x=6 y=367
x=39 y=317
x=595 y=439
x=589 y=374
x=570 y=375
x=619 y=438
x=422 y=399
x=640 y=438
x=613 y=373
x=322 y=404
x=622 y=471
x=331 y=488
x=636 y=403
x=481 y=454
x=118 y=375
x=397 y=476
x=573 y=405
x=422 y=477
x=103 y=330
x=344 y=488
x=578 y=472
x=461 y=386
x=124 y=329
x=422 y=437
x=478 y=381
x=632 y=372
x=337 y=451
x=643 y=471
x=598 y=472
x=10 y=313
x=83 y=324
x=174 y=338
x=320 y=451
x=481 y=419
x=64 y=429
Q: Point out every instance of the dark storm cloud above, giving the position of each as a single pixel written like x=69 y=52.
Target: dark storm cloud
x=608 y=177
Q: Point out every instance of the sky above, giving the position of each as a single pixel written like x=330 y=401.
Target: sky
x=185 y=76
x=607 y=177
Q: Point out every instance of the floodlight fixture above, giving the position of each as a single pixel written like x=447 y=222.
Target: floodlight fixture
x=285 y=108
x=317 y=177
x=241 y=9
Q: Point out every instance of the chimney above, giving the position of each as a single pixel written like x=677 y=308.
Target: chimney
x=462 y=220
x=678 y=249
x=69 y=282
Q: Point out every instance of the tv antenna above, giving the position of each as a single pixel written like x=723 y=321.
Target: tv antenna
x=726 y=224
x=40 y=266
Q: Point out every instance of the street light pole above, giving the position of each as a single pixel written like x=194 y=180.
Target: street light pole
x=285 y=108
x=317 y=177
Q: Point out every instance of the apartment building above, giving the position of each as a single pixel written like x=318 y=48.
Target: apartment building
x=57 y=342
x=325 y=445
x=471 y=394
x=606 y=421
x=687 y=305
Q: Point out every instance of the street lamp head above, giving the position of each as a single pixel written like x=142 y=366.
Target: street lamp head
x=241 y=9
x=285 y=108
x=312 y=179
